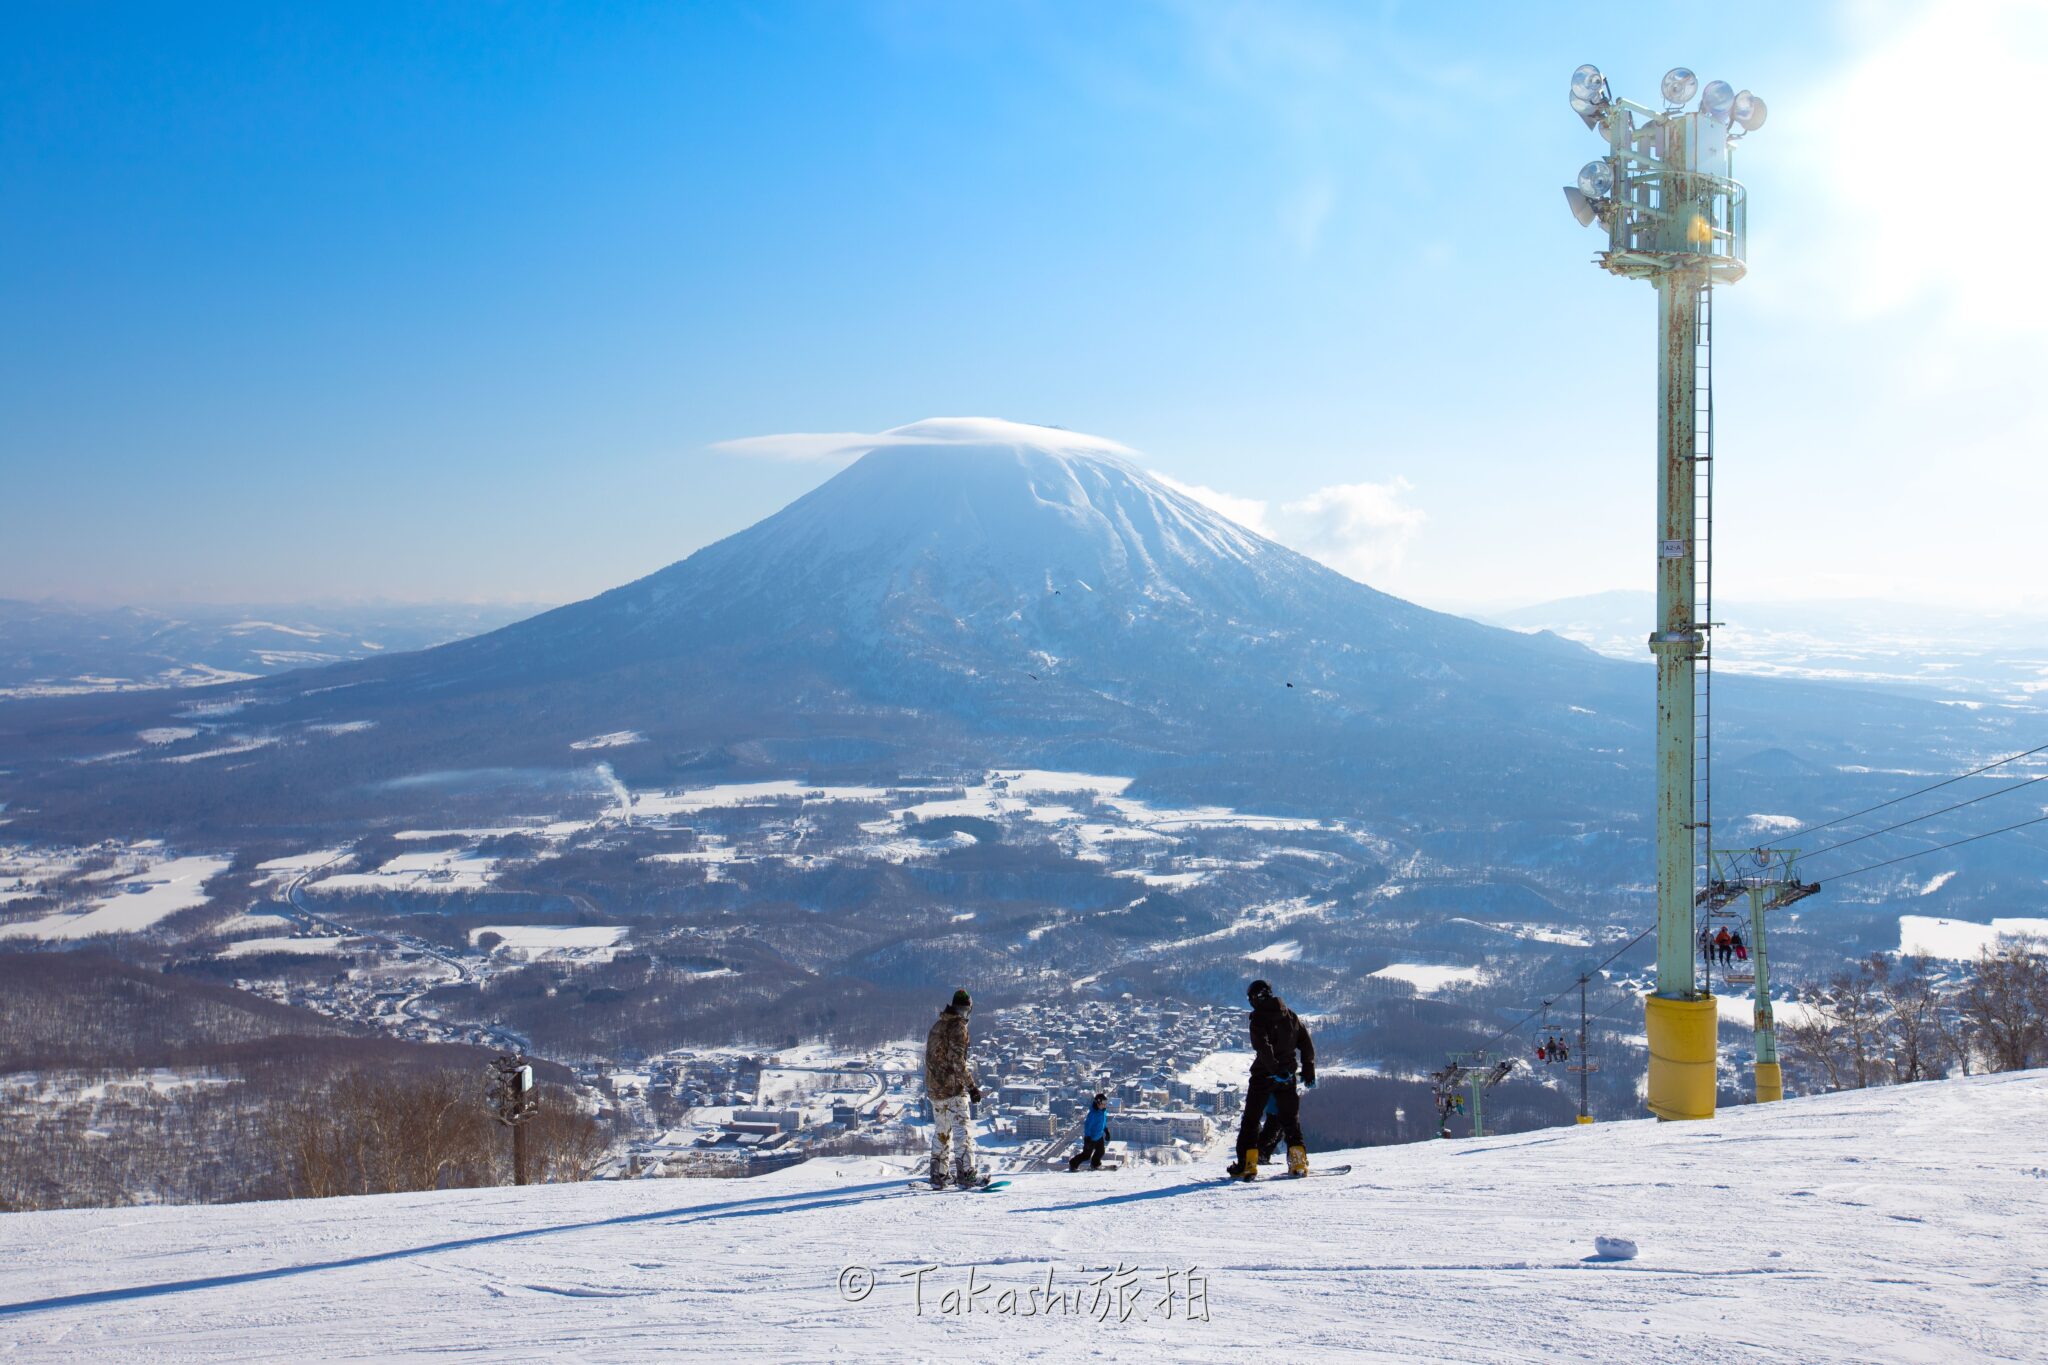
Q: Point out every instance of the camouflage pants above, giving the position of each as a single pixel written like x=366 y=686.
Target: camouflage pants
x=952 y=1119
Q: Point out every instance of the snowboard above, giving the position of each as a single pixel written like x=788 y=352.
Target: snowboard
x=1316 y=1171
x=981 y=1187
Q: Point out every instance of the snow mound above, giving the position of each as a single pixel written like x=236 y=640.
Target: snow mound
x=1614 y=1248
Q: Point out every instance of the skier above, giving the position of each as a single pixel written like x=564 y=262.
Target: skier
x=1094 y=1136
x=1722 y=948
x=1277 y=1035
x=1741 y=948
x=952 y=1089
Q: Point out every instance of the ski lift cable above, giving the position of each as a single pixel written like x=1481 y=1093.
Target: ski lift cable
x=1946 y=782
x=2026 y=782
x=1953 y=843
x=1523 y=1022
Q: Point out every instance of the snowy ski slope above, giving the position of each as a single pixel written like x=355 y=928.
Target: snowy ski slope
x=1907 y=1224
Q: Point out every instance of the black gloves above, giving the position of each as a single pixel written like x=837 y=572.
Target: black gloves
x=1308 y=1074
x=974 y=1094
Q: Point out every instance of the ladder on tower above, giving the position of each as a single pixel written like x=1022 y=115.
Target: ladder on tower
x=1703 y=593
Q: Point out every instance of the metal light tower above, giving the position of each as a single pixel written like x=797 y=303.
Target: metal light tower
x=1673 y=216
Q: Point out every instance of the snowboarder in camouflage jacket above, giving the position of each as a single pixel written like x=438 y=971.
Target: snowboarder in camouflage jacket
x=950 y=1084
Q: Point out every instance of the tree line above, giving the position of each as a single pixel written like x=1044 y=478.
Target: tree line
x=1888 y=1020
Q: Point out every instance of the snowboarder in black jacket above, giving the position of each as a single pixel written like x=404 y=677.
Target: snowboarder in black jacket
x=1277 y=1036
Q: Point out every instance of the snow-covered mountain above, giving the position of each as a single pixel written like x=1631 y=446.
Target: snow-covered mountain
x=969 y=593
x=1903 y=1224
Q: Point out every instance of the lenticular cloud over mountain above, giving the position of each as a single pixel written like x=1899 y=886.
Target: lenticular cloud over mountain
x=932 y=431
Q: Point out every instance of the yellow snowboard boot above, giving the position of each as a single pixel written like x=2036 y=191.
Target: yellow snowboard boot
x=1248 y=1165
x=1297 y=1161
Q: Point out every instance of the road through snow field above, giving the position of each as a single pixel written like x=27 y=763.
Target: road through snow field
x=1906 y=1224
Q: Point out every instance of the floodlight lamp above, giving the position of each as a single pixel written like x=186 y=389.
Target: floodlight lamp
x=1596 y=180
x=1748 y=112
x=1679 y=86
x=1581 y=207
x=1589 y=85
x=1716 y=100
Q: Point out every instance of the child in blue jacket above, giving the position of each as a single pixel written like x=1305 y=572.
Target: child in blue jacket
x=1094 y=1136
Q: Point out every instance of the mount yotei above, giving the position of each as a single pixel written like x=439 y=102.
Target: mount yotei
x=993 y=704
x=969 y=593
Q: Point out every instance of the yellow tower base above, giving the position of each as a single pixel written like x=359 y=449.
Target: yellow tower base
x=1770 y=1082
x=1585 y=1118
x=1683 y=1034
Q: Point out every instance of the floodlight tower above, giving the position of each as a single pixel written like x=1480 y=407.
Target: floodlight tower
x=1673 y=216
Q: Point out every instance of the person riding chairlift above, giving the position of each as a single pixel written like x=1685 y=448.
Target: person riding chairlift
x=1724 y=949
x=1741 y=948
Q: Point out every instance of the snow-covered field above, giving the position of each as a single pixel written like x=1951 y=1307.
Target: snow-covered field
x=138 y=901
x=547 y=940
x=1906 y=1224
x=1427 y=979
x=1961 y=940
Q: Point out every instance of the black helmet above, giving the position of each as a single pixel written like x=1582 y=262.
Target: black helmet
x=1101 y=1098
x=1258 y=990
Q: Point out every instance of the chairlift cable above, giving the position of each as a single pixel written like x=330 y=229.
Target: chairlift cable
x=1523 y=1022
x=1853 y=815
x=1953 y=843
x=2026 y=782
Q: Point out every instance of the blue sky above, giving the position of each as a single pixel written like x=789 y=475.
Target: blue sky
x=463 y=301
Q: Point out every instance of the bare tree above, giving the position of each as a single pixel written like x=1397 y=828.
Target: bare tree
x=1913 y=1036
x=564 y=1144
x=1814 y=1037
x=1858 y=1008
x=2004 y=1003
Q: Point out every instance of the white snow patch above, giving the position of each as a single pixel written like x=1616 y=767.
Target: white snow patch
x=165 y=734
x=1286 y=950
x=546 y=940
x=442 y=870
x=1936 y=882
x=1427 y=979
x=1218 y=1069
x=616 y=739
x=1960 y=940
x=1741 y=1009
x=241 y=746
x=1772 y=824
x=138 y=902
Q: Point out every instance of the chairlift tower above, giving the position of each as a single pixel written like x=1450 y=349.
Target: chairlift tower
x=1674 y=217
x=1766 y=878
x=1469 y=1069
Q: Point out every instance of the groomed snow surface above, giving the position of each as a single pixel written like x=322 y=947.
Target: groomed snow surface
x=1904 y=1224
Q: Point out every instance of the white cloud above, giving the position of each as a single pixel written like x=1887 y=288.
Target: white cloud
x=1249 y=513
x=842 y=447
x=836 y=446
x=1362 y=530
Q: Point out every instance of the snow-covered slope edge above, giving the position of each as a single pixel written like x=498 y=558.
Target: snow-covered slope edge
x=1905 y=1224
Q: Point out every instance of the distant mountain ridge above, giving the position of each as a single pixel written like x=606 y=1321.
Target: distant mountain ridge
x=969 y=593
